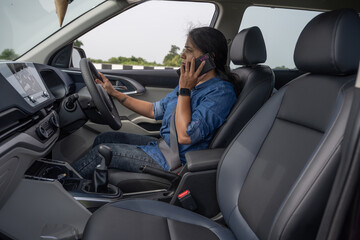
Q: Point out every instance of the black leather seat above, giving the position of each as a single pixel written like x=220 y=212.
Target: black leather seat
x=274 y=179
x=256 y=82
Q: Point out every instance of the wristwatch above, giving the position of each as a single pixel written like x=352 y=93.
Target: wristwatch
x=184 y=92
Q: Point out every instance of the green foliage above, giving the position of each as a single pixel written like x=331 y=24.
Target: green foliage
x=173 y=57
x=97 y=60
x=78 y=43
x=127 y=61
x=281 y=67
x=285 y=68
x=8 y=54
x=132 y=61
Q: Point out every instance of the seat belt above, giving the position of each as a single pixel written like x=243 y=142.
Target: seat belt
x=171 y=153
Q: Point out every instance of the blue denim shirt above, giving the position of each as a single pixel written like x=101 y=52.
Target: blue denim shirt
x=211 y=102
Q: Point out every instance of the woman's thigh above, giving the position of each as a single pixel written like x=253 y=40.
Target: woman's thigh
x=125 y=157
x=124 y=138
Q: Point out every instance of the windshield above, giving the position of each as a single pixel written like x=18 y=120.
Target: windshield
x=25 y=23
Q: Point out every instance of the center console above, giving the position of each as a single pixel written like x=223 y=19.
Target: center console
x=81 y=189
x=59 y=200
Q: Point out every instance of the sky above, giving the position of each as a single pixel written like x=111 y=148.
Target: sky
x=149 y=29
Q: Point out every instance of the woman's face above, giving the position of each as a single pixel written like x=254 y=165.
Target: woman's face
x=190 y=51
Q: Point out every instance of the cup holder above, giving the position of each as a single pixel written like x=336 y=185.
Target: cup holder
x=54 y=172
x=112 y=191
x=71 y=184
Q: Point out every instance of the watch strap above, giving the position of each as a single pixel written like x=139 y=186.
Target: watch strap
x=184 y=92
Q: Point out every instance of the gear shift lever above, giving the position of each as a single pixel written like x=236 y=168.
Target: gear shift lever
x=101 y=171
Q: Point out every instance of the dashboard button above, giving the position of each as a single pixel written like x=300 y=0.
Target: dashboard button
x=32 y=99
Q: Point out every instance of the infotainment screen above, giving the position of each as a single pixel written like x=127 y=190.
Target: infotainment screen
x=26 y=80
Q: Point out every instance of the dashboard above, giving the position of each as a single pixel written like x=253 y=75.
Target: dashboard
x=30 y=98
x=40 y=104
x=29 y=92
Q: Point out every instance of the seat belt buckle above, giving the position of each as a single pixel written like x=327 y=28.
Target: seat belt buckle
x=187 y=201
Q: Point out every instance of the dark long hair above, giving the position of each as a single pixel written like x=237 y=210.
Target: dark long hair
x=212 y=41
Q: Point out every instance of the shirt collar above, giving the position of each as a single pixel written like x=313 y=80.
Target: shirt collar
x=207 y=83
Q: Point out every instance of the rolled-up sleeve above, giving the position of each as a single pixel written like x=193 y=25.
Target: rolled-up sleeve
x=158 y=110
x=194 y=130
x=210 y=114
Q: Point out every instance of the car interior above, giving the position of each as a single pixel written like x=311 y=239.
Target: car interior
x=284 y=165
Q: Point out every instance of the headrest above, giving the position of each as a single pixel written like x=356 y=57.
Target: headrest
x=248 y=47
x=330 y=43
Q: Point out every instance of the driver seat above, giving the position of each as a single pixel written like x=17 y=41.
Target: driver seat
x=274 y=179
x=256 y=81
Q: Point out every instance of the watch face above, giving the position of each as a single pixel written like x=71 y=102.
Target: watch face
x=184 y=92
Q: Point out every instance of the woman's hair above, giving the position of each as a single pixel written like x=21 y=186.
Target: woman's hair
x=212 y=41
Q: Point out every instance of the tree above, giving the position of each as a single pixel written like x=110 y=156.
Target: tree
x=281 y=67
x=8 y=54
x=78 y=43
x=131 y=61
x=173 y=57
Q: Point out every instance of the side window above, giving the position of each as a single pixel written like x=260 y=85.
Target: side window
x=149 y=35
x=281 y=29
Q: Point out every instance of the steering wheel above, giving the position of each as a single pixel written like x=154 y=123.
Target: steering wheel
x=103 y=102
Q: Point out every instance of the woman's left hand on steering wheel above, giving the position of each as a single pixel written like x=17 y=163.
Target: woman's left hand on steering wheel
x=106 y=84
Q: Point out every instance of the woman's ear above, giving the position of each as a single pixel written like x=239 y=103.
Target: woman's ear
x=212 y=55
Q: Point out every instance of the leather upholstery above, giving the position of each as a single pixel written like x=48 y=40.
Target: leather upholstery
x=286 y=157
x=136 y=182
x=256 y=81
x=258 y=86
x=146 y=219
x=275 y=177
x=241 y=155
x=330 y=52
x=248 y=47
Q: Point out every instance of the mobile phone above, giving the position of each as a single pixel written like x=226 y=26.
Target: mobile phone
x=209 y=64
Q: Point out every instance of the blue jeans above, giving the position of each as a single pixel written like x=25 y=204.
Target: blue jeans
x=126 y=155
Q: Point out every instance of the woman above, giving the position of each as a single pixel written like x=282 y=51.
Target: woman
x=201 y=107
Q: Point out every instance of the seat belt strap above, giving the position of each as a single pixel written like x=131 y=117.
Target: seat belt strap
x=171 y=153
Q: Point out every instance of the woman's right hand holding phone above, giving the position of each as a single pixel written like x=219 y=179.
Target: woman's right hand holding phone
x=189 y=76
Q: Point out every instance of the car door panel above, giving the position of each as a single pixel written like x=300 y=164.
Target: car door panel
x=166 y=78
x=146 y=85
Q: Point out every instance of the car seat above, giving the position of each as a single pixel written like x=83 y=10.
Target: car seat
x=256 y=82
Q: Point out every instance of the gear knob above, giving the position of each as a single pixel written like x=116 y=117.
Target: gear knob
x=106 y=153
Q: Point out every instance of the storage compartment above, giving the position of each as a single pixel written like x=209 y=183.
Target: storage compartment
x=81 y=189
x=51 y=169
